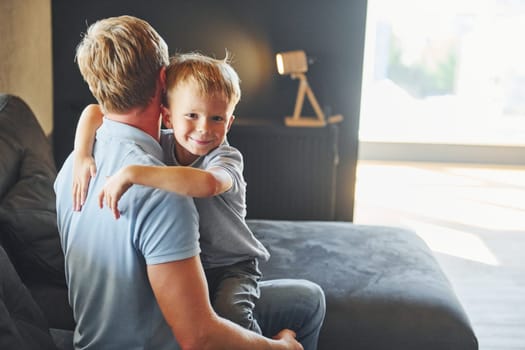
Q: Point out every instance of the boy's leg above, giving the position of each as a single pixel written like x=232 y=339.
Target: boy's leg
x=235 y=292
x=298 y=305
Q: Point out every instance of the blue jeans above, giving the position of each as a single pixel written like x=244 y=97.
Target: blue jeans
x=234 y=291
x=298 y=305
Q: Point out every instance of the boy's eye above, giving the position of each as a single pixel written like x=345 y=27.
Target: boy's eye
x=191 y=115
x=217 y=118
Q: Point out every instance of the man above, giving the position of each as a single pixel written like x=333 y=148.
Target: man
x=137 y=282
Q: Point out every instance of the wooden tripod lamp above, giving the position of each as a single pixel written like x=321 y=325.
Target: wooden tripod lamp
x=296 y=64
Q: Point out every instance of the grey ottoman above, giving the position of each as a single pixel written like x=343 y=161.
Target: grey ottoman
x=384 y=288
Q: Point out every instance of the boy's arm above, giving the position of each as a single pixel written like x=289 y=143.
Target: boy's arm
x=183 y=180
x=84 y=167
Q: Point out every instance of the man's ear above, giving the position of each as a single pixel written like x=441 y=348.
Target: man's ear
x=230 y=122
x=166 y=116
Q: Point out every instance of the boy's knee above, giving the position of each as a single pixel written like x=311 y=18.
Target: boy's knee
x=311 y=298
x=321 y=310
x=239 y=313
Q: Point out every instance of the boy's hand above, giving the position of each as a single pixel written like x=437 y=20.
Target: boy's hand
x=84 y=168
x=114 y=188
x=287 y=336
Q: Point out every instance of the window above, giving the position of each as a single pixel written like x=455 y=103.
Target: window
x=444 y=72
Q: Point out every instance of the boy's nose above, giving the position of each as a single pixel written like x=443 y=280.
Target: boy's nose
x=202 y=125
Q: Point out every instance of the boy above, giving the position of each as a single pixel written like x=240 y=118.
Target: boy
x=202 y=93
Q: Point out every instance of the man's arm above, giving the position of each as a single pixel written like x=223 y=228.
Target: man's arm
x=183 y=180
x=84 y=167
x=181 y=291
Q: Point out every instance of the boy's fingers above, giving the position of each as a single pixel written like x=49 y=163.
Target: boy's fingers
x=76 y=199
x=83 y=194
x=116 y=212
x=85 y=185
x=111 y=203
x=114 y=208
x=101 y=199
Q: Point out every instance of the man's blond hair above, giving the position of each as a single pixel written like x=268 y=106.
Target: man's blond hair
x=120 y=58
x=212 y=76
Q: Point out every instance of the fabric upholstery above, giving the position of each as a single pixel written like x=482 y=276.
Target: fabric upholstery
x=22 y=324
x=28 y=230
x=384 y=288
x=27 y=206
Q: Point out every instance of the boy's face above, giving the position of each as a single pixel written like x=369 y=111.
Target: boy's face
x=200 y=123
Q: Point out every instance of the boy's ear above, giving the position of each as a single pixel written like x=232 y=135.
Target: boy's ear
x=230 y=122
x=166 y=117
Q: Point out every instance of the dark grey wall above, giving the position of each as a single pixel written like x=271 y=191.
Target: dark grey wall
x=331 y=32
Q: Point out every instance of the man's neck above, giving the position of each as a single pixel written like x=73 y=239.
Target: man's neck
x=146 y=119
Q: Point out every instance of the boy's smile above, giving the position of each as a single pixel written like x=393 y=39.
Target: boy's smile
x=200 y=122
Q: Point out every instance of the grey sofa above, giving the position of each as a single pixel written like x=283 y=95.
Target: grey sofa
x=384 y=289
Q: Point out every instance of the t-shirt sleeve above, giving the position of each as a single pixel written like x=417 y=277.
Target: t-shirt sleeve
x=230 y=159
x=166 y=227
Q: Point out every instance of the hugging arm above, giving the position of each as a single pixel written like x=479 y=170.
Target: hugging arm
x=84 y=167
x=183 y=180
x=181 y=291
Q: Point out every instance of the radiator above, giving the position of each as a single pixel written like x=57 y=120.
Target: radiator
x=290 y=172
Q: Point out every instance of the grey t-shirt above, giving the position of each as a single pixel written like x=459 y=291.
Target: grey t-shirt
x=224 y=236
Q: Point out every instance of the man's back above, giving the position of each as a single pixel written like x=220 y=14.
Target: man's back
x=106 y=259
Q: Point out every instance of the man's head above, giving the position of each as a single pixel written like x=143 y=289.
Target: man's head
x=121 y=59
x=202 y=93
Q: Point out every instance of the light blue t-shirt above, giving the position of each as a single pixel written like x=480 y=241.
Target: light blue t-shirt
x=106 y=259
x=224 y=236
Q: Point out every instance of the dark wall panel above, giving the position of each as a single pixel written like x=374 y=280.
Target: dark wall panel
x=331 y=32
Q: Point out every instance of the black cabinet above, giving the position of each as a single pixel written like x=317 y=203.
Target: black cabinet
x=290 y=172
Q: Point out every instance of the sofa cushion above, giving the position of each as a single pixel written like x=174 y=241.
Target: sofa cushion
x=384 y=289
x=28 y=229
x=9 y=164
x=22 y=324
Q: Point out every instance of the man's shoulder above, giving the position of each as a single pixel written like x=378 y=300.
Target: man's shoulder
x=125 y=141
x=134 y=154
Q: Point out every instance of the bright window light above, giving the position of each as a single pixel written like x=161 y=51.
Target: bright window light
x=444 y=71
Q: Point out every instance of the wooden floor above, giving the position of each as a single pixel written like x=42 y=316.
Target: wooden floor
x=473 y=218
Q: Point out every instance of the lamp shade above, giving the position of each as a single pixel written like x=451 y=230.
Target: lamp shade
x=291 y=62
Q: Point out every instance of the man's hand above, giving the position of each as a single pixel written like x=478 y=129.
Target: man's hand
x=287 y=336
x=84 y=168
x=113 y=190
